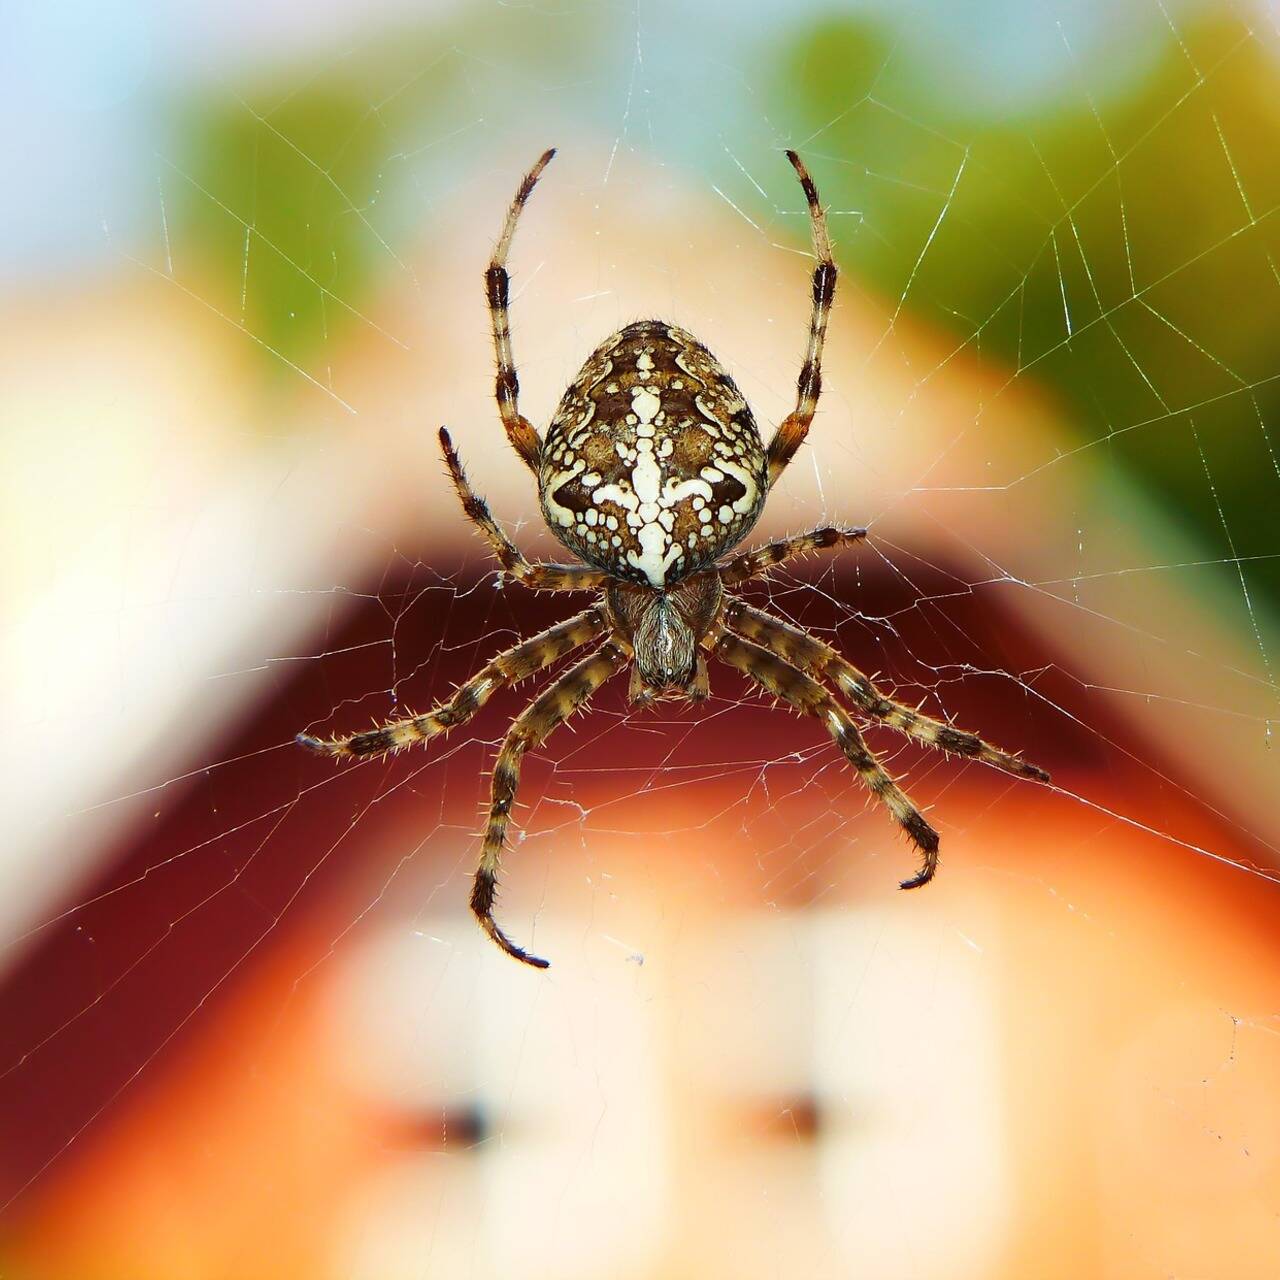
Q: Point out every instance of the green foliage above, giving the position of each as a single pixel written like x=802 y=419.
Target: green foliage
x=297 y=193
x=1120 y=248
x=282 y=203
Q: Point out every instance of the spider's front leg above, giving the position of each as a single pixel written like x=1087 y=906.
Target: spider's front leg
x=751 y=564
x=806 y=695
x=510 y=667
x=819 y=659
x=550 y=709
x=539 y=577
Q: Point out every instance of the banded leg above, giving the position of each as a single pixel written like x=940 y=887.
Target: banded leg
x=805 y=694
x=751 y=564
x=790 y=435
x=520 y=431
x=819 y=659
x=550 y=709
x=539 y=577
x=510 y=667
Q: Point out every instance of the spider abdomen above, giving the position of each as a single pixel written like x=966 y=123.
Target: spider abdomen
x=652 y=466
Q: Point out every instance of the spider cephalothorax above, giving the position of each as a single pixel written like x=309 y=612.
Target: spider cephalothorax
x=651 y=471
x=664 y=629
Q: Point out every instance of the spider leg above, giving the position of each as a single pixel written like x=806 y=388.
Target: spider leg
x=805 y=694
x=539 y=577
x=791 y=433
x=520 y=431
x=751 y=564
x=531 y=727
x=700 y=689
x=819 y=659
x=509 y=667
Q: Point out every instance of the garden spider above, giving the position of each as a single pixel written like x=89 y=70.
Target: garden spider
x=652 y=470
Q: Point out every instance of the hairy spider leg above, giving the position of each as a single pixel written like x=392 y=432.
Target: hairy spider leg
x=550 y=709
x=793 y=429
x=520 y=431
x=539 y=577
x=751 y=564
x=507 y=668
x=784 y=681
x=817 y=658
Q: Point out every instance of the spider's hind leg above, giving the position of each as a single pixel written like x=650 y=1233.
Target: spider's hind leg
x=793 y=429
x=497 y=283
x=752 y=564
x=538 y=577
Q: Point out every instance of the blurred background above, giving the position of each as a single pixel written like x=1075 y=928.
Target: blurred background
x=247 y=1027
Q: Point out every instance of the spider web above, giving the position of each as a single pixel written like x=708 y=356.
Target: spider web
x=242 y=989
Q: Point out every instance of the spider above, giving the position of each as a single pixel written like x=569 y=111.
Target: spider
x=651 y=472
